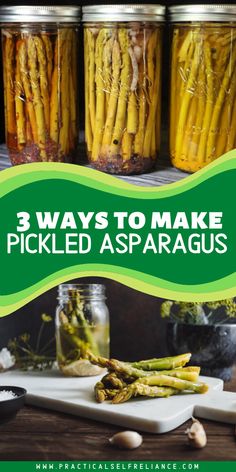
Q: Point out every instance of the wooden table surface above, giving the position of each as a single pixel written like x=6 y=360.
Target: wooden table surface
x=37 y=434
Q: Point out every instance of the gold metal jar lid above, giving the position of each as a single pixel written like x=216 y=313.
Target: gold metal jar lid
x=214 y=12
x=132 y=12
x=38 y=14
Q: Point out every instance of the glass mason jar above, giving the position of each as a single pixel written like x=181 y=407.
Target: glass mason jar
x=203 y=84
x=39 y=49
x=122 y=86
x=82 y=324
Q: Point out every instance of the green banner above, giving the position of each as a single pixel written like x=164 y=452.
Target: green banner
x=130 y=466
x=60 y=221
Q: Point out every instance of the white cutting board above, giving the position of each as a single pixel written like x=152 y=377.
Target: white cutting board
x=158 y=415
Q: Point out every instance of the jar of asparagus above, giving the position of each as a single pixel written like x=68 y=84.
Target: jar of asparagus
x=203 y=84
x=122 y=86
x=82 y=326
x=39 y=50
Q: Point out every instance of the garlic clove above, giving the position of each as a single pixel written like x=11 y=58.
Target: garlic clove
x=196 y=435
x=126 y=440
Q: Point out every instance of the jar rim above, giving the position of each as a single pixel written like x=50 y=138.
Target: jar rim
x=119 y=12
x=38 y=14
x=94 y=290
x=202 y=12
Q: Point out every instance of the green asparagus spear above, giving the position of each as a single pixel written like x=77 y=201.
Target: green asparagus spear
x=127 y=369
x=134 y=390
x=168 y=381
x=77 y=317
x=164 y=363
x=112 y=380
x=102 y=393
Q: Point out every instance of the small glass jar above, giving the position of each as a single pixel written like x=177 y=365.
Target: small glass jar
x=203 y=84
x=39 y=49
x=123 y=86
x=82 y=324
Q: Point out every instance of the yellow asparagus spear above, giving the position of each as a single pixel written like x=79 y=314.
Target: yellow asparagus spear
x=107 y=67
x=142 y=101
x=55 y=91
x=19 y=102
x=113 y=100
x=100 y=96
x=24 y=71
x=187 y=97
x=198 y=127
x=119 y=127
x=132 y=112
x=49 y=54
x=174 y=89
x=92 y=97
x=43 y=78
x=154 y=104
x=9 y=85
x=232 y=132
x=73 y=89
x=88 y=127
x=209 y=104
x=211 y=146
x=126 y=145
x=38 y=104
x=64 y=90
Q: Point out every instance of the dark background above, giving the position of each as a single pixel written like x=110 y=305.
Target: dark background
x=136 y=328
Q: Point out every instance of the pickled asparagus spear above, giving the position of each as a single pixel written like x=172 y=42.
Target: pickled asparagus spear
x=91 y=80
x=37 y=100
x=49 y=55
x=154 y=93
x=9 y=84
x=88 y=126
x=119 y=126
x=19 y=103
x=113 y=99
x=23 y=60
x=77 y=315
x=135 y=390
x=55 y=93
x=43 y=78
x=100 y=96
x=169 y=381
x=142 y=100
x=163 y=363
x=66 y=41
x=102 y=393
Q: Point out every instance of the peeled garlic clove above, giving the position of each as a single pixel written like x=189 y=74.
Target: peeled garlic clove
x=126 y=440
x=196 y=435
